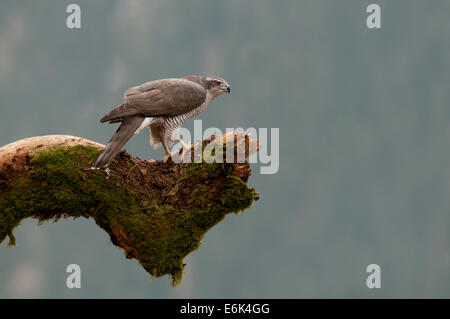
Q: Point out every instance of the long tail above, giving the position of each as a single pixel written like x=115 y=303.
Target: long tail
x=125 y=131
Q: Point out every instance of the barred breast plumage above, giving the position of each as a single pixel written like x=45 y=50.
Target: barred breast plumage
x=172 y=124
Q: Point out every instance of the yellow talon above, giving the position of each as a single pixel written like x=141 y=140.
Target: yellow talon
x=166 y=157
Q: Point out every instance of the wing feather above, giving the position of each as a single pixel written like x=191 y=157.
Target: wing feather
x=167 y=97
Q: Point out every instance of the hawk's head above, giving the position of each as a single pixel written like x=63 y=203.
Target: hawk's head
x=217 y=86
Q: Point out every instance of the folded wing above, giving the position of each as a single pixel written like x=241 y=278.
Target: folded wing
x=168 y=97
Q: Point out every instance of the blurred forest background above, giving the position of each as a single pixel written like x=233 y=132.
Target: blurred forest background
x=364 y=140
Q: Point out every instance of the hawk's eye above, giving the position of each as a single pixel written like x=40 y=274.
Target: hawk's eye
x=217 y=83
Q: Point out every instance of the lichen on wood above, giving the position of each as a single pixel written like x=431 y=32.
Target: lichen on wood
x=156 y=212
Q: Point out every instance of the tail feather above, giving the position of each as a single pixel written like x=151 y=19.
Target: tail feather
x=118 y=140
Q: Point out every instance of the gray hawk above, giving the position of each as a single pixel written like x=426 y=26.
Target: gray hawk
x=162 y=106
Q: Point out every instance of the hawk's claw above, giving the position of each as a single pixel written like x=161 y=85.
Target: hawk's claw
x=166 y=157
x=184 y=147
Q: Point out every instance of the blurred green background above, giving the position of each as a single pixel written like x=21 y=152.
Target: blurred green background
x=364 y=140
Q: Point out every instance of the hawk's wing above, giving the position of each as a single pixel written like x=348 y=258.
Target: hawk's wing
x=168 y=97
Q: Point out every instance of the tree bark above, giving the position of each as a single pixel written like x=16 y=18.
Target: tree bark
x=156 y=212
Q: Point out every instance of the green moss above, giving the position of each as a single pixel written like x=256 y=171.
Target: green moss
x=57 y=184
x=236 y=196
x=202 y=171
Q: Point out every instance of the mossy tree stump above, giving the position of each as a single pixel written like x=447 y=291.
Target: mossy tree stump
x=156 y=212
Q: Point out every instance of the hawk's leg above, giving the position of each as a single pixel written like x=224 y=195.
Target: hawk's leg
x=166 y=150
x=166 y=157
x=184 y=147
